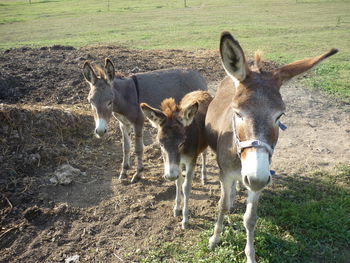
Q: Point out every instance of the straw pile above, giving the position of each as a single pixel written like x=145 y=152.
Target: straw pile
x=31 y=136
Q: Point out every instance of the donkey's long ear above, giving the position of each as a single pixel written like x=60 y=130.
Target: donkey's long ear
x=188 y=114
x=89 y=73
x=232 y=57
x=293 y=69
x=109 y=68
x=155 y=116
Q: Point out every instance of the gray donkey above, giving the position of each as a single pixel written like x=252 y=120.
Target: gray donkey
x=122 y=97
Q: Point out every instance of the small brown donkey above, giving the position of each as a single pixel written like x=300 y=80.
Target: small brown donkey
x=122 y=96
x=182 y=138
x=242 y=128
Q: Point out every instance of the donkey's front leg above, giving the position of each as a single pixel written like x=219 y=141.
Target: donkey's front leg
x=204 y=168
x=186 y=189
x=126 y=130
x=233 y=195
x=225 y=203
x=177 y=207
x=139 y=153
x=250 y=217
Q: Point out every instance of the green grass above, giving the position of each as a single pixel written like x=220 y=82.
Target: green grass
x=284 y=30
x=304 y=219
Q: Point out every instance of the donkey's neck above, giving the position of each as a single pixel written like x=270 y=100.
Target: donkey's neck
x=125 y=96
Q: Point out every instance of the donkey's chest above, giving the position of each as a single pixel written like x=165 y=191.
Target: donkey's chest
x=123 y=119
x=186 y=159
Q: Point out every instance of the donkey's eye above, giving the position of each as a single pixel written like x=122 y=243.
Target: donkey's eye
x=109 y=104
x=239 y=115
x=181 y=144
x=179 y=121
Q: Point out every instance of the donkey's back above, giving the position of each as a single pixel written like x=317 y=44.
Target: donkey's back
x=157 y=85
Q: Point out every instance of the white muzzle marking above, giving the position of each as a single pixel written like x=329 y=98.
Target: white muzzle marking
x=256 y=169
x=171 y=170
x=101 y=127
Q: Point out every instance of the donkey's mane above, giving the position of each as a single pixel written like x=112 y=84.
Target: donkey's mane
x=119 y=75
x=194 y=97
x=258 y=61
x=102 y=74
x=169 y=107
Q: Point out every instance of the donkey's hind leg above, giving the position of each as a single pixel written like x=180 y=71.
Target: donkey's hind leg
x=204 y=168
x=139 y=152
x=226 y=181
x=126 y=130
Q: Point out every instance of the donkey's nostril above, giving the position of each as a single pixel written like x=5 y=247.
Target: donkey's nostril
x=170 y=178
x=246 y=180
x=268 y=180
x=100 y=132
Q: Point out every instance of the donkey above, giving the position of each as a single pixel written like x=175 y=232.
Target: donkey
x=242 y=125
x=182 y=138
x=122 y=96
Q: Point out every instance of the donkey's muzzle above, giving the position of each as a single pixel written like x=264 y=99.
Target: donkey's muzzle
x=171 y=176
x=256 y=168
x=101 y=127
x=100 y=132
x=172 y=172
x=256 y=184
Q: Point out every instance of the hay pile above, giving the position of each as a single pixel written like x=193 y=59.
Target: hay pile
x=31 y=136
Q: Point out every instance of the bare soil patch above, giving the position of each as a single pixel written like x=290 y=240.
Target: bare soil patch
x=45 y=122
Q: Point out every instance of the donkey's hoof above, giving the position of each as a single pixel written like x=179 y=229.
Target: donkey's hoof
x=238 y=186
x=213 y=241
x=184 y=225
x=177 y=212
x=122 y=176
x=135 y=178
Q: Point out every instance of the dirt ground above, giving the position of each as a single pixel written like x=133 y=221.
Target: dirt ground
x=45 y=122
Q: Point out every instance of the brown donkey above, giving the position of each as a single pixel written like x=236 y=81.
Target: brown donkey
x=242 y=128
x=182 y=138
x=122 y=96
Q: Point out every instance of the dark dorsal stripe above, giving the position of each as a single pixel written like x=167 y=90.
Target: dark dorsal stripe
x=134 y=78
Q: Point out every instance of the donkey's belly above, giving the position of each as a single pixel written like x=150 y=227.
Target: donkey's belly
x=218 y=119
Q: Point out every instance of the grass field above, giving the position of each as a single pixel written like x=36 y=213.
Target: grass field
x=283 y=30
x=305 y=218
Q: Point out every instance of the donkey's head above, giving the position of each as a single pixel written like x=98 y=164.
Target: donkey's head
x=257 y=107
x=101 y=94
x=171 y=123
